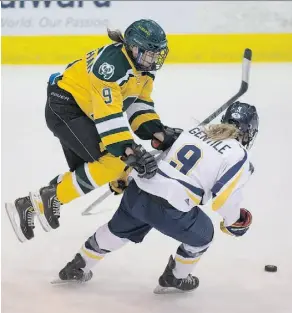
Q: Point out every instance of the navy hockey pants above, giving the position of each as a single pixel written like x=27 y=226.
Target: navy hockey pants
x=139 y=212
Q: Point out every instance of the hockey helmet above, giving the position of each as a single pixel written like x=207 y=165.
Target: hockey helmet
x=146 y=43
x=245 y=118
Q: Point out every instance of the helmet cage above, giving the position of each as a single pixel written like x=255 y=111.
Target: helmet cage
x=148 y=60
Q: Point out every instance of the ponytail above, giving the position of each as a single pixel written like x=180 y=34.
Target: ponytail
x=221 y=131
x=115 y=35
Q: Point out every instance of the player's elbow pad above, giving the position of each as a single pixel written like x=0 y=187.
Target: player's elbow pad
x=240 y=227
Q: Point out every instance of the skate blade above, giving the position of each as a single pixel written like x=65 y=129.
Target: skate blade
x=37 y=203
x=159 y=290
x=12 y=214
x=59 y=281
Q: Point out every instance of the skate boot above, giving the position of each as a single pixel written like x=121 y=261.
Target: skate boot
x=21 y=215
x=168 y=283
x=46 y=206
x=73 y=271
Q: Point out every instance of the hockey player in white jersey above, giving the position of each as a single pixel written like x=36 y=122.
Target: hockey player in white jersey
x=203 y=163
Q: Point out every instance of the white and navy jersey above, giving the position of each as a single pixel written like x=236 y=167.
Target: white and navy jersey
x=197 y=169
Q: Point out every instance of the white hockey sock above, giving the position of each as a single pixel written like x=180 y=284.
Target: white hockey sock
x=97 y=246
x=186 y=259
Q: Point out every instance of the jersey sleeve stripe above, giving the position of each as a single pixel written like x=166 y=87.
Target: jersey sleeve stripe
x=108 y=117
x=127 y=102
x=138 y=107
x=195 y=190
x=229 y=175
x=151 y=103
x=142 y=118
x=114 y=123
x=220 y=199
x=125 y=78
x=117 y=138
x=114 y=131
x=137 y=114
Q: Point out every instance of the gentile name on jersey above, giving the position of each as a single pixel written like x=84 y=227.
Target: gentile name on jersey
x=219 y=146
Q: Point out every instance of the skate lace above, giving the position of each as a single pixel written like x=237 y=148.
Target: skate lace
x=189 y=280
x=30 y=217
x=56 y=207
x=29 y=213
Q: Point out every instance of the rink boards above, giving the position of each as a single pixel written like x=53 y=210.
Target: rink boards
x=184 y=48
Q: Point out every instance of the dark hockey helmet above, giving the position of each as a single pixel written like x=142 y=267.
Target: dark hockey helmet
x=246 y=119
x=146 y=43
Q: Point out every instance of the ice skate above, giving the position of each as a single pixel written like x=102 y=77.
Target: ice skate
x=73 y=272
x=47 y=207
x=168 y=283
x=21 y=215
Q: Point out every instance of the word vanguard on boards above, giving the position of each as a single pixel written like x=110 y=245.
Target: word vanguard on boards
x=47 y=4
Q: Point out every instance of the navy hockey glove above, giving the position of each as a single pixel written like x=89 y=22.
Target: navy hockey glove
x=240 y=227
x=170 y=136
x=142 y=161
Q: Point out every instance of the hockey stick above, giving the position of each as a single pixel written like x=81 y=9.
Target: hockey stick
x=96 y=202
x=242 y=90
x=247 y=55
x=243 y=87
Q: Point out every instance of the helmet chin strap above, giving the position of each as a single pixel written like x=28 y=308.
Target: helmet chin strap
x=139 y=57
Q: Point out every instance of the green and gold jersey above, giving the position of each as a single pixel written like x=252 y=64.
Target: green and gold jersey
x=105 y=84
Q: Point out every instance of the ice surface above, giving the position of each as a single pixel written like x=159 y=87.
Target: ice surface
x=232 y=271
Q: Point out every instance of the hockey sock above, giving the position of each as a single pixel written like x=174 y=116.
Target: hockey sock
x=89 y=176
x=98 y=245
x=186 y=259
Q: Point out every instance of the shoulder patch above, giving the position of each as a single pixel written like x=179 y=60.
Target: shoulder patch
x=111 y=65
x=106 y=70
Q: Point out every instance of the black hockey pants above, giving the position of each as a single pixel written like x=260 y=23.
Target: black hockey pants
x=75 y=130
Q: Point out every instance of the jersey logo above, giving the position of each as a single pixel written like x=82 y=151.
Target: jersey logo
x=235 y=115
x=106 y=70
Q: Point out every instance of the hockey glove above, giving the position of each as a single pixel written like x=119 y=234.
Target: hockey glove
x=170 y=136
x=118 y=186
x=142 y=161
x=240 y=227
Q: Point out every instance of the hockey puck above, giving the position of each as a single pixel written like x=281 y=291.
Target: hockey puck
x=271 y=268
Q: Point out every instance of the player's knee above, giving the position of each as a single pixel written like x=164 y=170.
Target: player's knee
x=107 y=241
x=204 y=229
